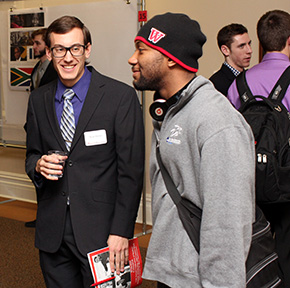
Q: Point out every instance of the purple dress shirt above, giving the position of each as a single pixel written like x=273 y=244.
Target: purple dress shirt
x=262 y=77
x=80 y=88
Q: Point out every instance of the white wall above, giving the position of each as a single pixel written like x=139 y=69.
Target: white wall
x=213 y=15
x=112 y=23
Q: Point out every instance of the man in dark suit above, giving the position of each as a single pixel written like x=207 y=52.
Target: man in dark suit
x=42 y=73
x=235 y=44
x=95 y=202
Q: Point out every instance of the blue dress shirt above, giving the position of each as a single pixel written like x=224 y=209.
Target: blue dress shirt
x=80 y=88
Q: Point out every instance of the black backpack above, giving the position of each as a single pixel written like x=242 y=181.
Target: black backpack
x=270 y=122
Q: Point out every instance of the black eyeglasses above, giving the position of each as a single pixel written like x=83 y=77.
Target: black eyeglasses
x=76 y=50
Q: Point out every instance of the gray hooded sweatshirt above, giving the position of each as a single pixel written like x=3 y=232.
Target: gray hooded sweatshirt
x=208 y=149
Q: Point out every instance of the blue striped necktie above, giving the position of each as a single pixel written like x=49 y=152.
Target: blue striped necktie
x=67 y=122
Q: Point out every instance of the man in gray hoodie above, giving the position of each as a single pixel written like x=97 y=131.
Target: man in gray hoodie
x=207 y=148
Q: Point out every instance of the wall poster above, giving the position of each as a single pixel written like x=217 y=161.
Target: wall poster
x=21 y=57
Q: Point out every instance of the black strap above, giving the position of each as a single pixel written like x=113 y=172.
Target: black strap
x=189 y=213
x=170 y=186
x=243 y=88
x=277 y=92
x=281 y=86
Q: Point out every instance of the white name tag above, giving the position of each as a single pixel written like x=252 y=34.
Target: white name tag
x=97 y=137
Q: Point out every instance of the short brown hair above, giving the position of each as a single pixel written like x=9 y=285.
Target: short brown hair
x=273 y=30
x=64 y=25
x=39 y=32
x=226 y=34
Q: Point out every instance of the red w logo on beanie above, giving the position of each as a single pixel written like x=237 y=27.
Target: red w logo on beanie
x=155 y=35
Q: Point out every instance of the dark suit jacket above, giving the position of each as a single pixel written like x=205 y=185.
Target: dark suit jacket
x=223 y=79
x=49 y=75
x=104 y=182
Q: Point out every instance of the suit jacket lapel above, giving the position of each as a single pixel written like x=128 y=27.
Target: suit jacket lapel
x=45 y=75
x=49 y=98
x=228 y=73
x=32 y=75
x=93 y=97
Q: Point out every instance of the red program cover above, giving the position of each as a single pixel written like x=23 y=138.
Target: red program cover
x=100 y=267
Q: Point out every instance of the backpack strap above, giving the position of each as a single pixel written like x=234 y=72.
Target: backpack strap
x=281 y=86
x=243 y=88
x=189 y=213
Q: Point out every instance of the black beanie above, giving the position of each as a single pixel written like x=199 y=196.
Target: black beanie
x=176 y=36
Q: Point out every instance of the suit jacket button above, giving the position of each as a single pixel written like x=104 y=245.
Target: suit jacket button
x=70 y=163
x=63 y=193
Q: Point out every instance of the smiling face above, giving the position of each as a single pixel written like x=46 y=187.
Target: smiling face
x=69 y=68
x=148 y=67
x=240 y=52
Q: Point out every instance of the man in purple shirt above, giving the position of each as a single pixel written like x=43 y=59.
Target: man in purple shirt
x=276 y=43
x=273 y=30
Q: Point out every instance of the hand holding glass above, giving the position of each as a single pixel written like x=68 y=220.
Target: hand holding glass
x=61 y=157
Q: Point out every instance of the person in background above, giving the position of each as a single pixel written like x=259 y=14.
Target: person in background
x=198 y=139
x=235 y=44
x=273 y=30
x=92 y=201
x=43 y=72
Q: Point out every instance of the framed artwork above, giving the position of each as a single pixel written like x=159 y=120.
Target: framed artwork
x=22 y=23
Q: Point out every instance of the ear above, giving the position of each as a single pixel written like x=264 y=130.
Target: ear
x=88 y=50
x=287 y=47
x=48 y=53
x=170 y=63
x=225 y=50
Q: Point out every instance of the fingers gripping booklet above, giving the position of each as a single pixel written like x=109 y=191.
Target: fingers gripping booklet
x=100 y=267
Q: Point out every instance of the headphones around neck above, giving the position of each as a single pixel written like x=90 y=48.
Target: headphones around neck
x=159 y=107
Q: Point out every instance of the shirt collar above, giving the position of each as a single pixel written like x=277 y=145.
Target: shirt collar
x=234 y=70
x=275 y=56
x=176 y=95
x=80 y=88
x=43 y=65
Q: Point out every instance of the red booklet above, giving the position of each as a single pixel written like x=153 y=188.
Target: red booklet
x=100 y=267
